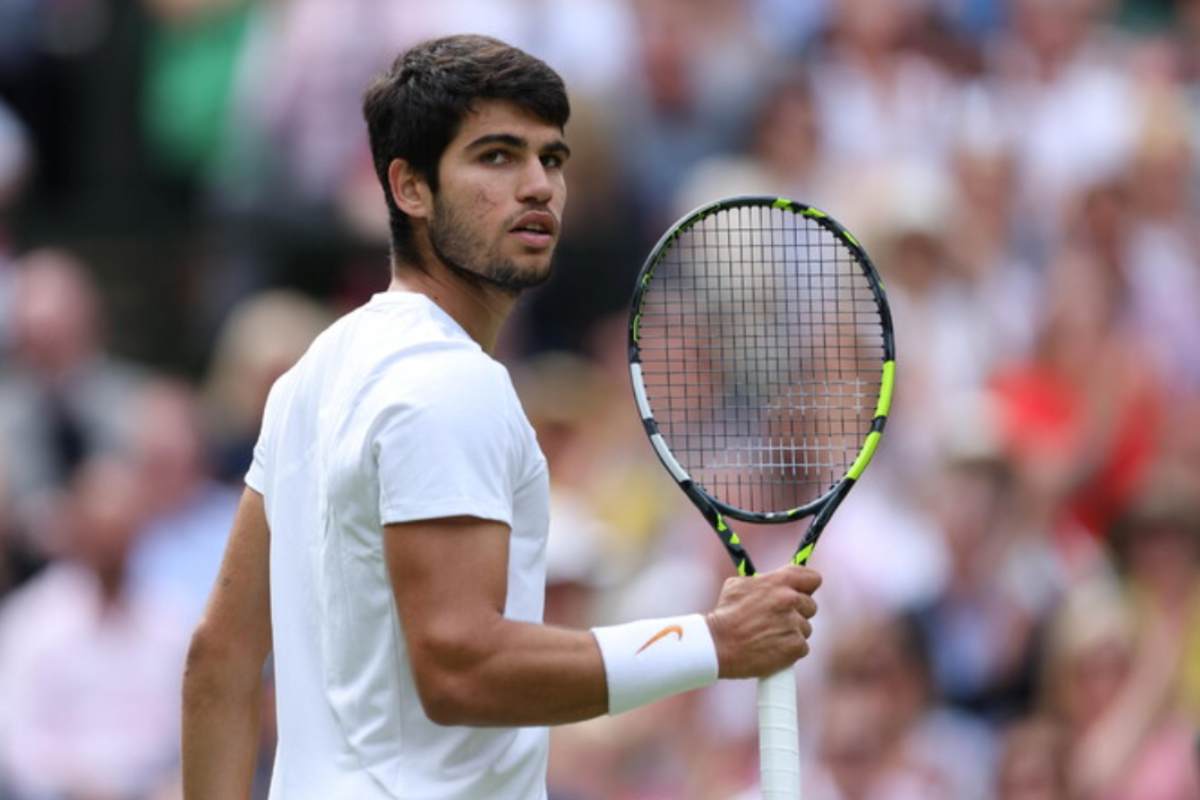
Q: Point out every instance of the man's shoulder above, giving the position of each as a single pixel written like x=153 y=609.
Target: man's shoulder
x=450 y=377
x=407 y=335
x=428 y=360
x=402 y=355
x=374 y=344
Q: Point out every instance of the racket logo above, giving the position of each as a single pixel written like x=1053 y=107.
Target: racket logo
x=664 y=633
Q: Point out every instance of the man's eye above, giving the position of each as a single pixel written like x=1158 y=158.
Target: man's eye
x=552 y=161
x=495 y=157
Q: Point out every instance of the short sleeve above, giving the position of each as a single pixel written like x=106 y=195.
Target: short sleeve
x=256 y=476
x=453 y=451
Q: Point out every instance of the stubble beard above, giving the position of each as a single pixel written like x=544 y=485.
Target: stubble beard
x=467 y=255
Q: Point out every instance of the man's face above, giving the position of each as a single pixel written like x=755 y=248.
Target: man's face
x=498 y=209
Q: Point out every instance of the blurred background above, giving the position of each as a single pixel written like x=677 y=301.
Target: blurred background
x=1011 y=605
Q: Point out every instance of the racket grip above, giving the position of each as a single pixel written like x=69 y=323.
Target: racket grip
x=778 y=737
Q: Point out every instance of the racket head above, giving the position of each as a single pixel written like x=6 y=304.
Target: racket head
x=762 y=358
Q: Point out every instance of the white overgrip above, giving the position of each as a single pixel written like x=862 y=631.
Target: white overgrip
x=778 y=737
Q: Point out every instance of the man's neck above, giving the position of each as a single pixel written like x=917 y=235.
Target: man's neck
x=480 y=309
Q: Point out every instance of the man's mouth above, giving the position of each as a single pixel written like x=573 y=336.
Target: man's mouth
x=536 y=228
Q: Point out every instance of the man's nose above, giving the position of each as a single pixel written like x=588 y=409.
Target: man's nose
x=536 y=186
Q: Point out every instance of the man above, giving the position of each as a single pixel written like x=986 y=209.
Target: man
x=390 y=545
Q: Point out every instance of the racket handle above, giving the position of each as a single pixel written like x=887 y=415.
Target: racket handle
x=778 y=737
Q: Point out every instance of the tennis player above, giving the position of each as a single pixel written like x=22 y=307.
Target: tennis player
x=390 y=547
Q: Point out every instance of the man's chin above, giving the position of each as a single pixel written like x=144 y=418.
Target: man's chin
x=527 y=273
x=515 y=278
x=526 y=279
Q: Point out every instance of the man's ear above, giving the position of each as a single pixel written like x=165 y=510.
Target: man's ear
x=410 y=190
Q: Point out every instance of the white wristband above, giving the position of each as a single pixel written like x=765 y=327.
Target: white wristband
x=651 y=659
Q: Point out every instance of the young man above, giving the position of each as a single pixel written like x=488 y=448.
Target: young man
x=390 y=546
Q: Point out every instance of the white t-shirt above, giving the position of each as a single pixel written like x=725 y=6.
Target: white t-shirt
x=394 y=414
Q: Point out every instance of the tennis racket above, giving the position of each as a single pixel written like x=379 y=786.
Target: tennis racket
x=762 y=359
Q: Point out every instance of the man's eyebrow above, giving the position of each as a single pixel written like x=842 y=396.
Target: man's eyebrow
x=518 y=142
x=509 y=139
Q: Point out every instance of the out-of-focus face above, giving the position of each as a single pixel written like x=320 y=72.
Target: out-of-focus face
x=1053 y=28
x=105 y=513
x=168 y=448
x=1031 y=763
x=874 y=695
x=1165 y=557
x=54 y=313
x=501 y=192
x=1091 y=680
x=873 y=27
x=966 y=507
x=789 y=131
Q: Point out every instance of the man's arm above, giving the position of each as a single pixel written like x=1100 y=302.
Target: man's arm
x=474 y=667
x=222 y=683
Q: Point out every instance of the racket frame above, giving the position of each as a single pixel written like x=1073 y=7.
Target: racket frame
x=714 y=510
x=778 y=729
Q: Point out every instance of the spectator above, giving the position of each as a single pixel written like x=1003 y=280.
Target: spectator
x=983 y=623
x=1110 y=689
x=1083 y=436
x=1159 y=261
x=783 y=154
x=1157 y=547
x=903 y=213
x=189 y=514
x=1065 y=102
x=884 y=734
x=261 y=339
x=990 y=243
x=1032 y=762
x=63 y=398
x=89 y=675
x=879 y=101
x=687 y=100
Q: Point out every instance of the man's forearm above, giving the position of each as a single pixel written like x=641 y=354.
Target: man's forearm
x=222 y=720
x=222 y=682
x=514 y=674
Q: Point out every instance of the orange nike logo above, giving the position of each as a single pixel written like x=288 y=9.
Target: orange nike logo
x=667 y=631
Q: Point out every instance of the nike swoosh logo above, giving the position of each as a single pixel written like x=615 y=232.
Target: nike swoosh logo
x=665 y=632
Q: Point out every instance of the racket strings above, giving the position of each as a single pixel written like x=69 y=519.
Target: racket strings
x=761 y=343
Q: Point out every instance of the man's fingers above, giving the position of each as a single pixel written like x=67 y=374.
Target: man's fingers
x=801 y=650
x=802 y=579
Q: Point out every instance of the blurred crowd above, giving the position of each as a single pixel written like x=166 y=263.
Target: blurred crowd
x=1011 y=607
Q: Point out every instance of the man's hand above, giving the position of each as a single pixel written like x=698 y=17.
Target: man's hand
x=761 y=624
